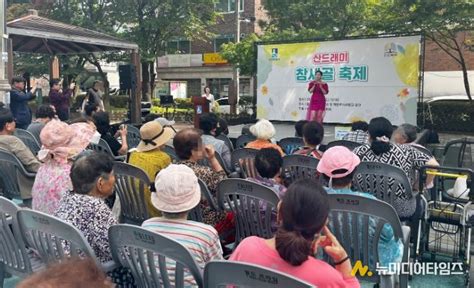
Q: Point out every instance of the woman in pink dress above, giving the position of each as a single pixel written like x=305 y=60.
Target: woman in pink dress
x=317 y=105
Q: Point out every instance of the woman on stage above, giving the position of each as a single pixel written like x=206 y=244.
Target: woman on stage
x=317 y=105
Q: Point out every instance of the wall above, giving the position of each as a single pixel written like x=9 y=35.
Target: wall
x=438 y=60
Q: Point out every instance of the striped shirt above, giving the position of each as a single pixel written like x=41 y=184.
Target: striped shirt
x=358 y=136
x=200 y=239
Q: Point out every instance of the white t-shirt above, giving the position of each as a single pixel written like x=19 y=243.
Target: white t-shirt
x=209 y=97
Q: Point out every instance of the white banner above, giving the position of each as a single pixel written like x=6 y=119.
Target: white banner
x=367 y=78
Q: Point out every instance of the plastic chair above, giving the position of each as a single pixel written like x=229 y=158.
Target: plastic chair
x=238 y=164
x=227 y=141
x=351 y=145
x=13 y=255
x=296 y=167
x=133 y=136
x=130 y=185
x=459 y=153
x=146 y=253
x=29 y=140
x=10 y=170
x=381 y=180
x=196 y=213
x=351 y=217
x=171 y=152
x=252 y=204
x=237 y=274
x=291 y=144
x=103 y=147
x=47 y=235
x=243 y=140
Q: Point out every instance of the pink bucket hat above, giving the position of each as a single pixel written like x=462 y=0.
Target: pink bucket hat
x=62 y=141
x=338 y=158
x=177 y=189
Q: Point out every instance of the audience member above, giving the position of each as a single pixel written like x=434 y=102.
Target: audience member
x=264 y=131
x=44 y=114
x=93 y=96
x=406 y=134
x=149 y=156
x=209 y=124
x=302 y=216
x=102 y=122
x=358 y=133
x=223 y=127
x=60 y=99
x=337 y=167
x=177 y=193
x=61 y=143
x=299 y=128
x=90 y=110
x=189 y=148
x=19 y=102
x=401 y=156
x=313 y=134
x=70 y=273
x=268 y=163
x=92 y=180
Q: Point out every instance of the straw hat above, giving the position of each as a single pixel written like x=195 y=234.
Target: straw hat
x=153 y=135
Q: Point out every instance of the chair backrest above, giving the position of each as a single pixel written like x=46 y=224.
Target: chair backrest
x=381 y=180
x=171 y=152
x=241 y=154
x=133 y=136
x=237 y=274
x=252 y=204
x=52 y=238
x=130 y=185
x=351 y=145
x=101 y=147
x=459 y=153
x=357 y=223
x=196 y=213
x=243 y=140
x=296 y=167
x=12 y=251
x=291 y=144
x=227 y=141
x=10 y=169
x=146 y=253
x=29 y=140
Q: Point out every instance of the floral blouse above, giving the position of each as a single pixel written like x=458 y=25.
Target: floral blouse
x=212 y=179
x=51 y=183
x=92 y=217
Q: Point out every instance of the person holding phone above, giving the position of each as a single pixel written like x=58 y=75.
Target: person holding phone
x=102 y=122
x=60 y=99
x=317 y=105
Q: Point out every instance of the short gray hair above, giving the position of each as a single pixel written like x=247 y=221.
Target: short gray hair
x=407 y=131
x=263 y=129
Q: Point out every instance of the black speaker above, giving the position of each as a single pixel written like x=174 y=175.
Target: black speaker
x=128 y=77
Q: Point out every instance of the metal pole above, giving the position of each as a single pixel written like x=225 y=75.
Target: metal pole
x=235 y=102
x=3 y=50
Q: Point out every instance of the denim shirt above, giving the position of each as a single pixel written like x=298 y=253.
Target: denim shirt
x=390 y=250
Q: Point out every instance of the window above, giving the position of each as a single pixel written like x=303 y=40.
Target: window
x=180 y=46
x=227 y=6
x=222 y=39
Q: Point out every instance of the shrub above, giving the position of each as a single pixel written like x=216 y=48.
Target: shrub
x=448 y=116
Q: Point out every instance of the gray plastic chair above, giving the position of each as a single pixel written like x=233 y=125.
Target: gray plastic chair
x=10 y=170
x=133 y=136
x=291 y=144
x=296 y=167
x=459 y=153
x=196 y=213
x=351 y=145
x=243 y=140
x=29 y=140
x=238 y=274
x=351 y=217
x=382 y=181
x=171 y=152
x=145 y=253
x=252 y=204
x=227 y=141
x=13 y=255
x=103 y=147
x=47 y=235
x=130 y=185
x=243 y=168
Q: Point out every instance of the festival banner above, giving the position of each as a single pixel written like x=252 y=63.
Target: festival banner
x=366 y=77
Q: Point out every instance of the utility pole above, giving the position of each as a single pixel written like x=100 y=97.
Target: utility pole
x=235 y=101
x=4 y=87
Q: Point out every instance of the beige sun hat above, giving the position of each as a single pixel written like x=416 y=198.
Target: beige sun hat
x=153 y=135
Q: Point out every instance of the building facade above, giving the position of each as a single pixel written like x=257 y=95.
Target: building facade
x=189 y=66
